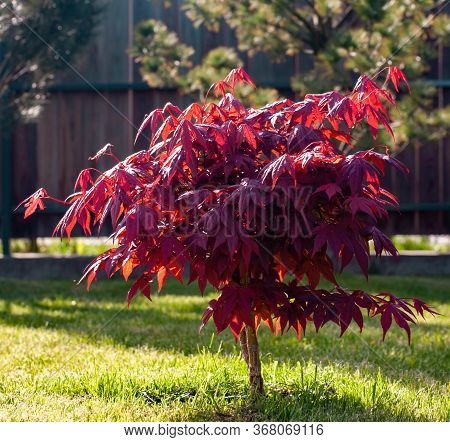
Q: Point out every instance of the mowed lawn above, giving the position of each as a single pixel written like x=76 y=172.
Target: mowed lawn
x=71 y=355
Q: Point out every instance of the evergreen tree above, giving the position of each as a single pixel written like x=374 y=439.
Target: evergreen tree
x=339 y=40
x=38 y=38
x=166 y=62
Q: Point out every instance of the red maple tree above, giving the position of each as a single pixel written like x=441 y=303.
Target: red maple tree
x=259 y=203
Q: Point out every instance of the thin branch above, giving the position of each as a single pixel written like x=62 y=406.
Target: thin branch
x=347 y=14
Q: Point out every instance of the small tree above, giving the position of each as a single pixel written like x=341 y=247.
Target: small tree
x=254 y=202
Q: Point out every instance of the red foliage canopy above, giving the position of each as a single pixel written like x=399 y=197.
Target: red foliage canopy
x=242 y=197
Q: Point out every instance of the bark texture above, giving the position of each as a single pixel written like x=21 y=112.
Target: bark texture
x=250 y=353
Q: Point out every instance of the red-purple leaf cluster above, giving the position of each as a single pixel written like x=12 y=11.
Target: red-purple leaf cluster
x=241 y=197
x=282 y=306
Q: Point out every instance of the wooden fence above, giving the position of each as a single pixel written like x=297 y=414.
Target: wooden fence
x=103 y=99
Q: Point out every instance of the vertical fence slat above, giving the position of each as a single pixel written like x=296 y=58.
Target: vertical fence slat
x=441 y=161
x=6 y=174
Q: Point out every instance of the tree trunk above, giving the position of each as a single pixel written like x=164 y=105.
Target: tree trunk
x=244 y=346
x=250 y=353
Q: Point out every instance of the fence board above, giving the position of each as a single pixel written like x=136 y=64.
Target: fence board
x=76 y=123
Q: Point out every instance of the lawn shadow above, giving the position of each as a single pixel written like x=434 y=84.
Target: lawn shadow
x=129 y=327
x=312 y=402
x=103 y=318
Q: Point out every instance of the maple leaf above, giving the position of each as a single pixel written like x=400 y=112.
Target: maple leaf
x=233 y=107
x=154 y=118
x=374 y=117
x=172 y=164
x=307 y=112
x=366 y=89
x=379 y=160
x=84 y=180
x=356 y=171
x=301 y=137
x=382 y=242
x=345 y=110
x=163 y=132
x=361 y=204
x=193 y=112
x=276 y=168
x=34 y=202
x=390 y=310
x=141 y=284
x=238 y=75
x=396 y=76
x=422 y=307
x=330 y=189
x=105 y=150
x=249 y=135
x=172 y=109
x=327 y=100
x=221 y=87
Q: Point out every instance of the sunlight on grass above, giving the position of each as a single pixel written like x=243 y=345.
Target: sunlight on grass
x=72 y=355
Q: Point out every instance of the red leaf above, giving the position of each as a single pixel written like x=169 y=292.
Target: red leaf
x=422 y=307
x=84 y=180
x=386 y=321
x=276 y=168
x=105 y=150
x=330 y=189
x=34 y=202
x=127 y=268
x=142 y=284
x=162 y=276
x=345 y=110
x=154 y=118
x=236 y=76
x=382 y=242
x=221 y=87
x=396 y=76
x=307 y=113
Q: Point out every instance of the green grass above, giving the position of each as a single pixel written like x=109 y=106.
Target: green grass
x=71 y=355
x=419 y=242
x=60 y=246
x=95 y=246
